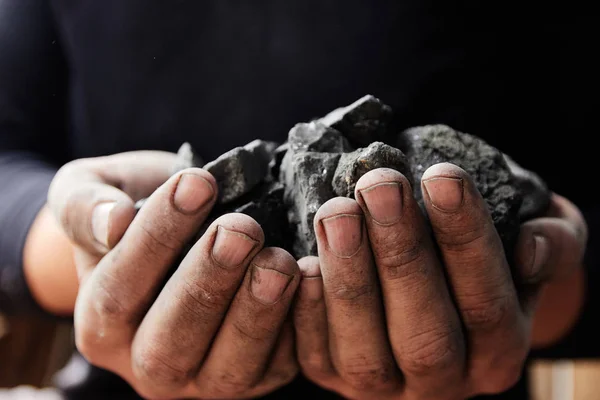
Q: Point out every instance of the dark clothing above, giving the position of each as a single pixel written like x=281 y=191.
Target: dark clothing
x=88 y=78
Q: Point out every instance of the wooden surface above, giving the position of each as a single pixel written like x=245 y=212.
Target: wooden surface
x=31 y=350
x=565 y=380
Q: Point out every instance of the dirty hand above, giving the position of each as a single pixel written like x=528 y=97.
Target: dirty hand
x=216 y=328
x=390 y=311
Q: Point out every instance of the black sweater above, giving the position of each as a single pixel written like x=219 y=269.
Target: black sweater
x=88 y=78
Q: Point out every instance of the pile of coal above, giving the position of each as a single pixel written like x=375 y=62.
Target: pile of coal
x=283 y=185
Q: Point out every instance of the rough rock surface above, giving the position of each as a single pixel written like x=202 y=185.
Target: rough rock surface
x=239 y=170
x=307 y=180
x=357 y=163
x=535 y=192
x=186 y=158
x=283 y=185
x=362 y=122
x=429 y=145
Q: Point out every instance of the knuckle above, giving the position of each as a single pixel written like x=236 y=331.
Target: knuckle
x=86 y=342
x=400 y=259
x=110 y=304
x=431 y=352
x=462 y=236
x=68 y=169
x=489 y=313
x=230 y=383
x=93 y=333
x=367 y=376
x=284 y=375
x=351 y=291
x=153 y=370
x=316 y=365
x=511 y=362
x=252 y=333
x=159 y=237
x=202 y=302
x=500 y=381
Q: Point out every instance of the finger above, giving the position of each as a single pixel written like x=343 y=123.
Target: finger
x=358 y=340
x=241 y=350
x=548 y=257
x=547 y=249
x=85 y=200
x=120 y=289
x=94 y=215
x=178 y=329
x=310 y=323
x=283 y=367
x=480 y=276
x=422 y=322
x=564 y=209
x=137 y=173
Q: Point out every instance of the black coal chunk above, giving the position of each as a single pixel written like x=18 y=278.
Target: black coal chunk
x=186 y=158
x=362 y=122
x=353 y=166
x=429 y=145
x=239 y=170
x=315 y=136
x=535 y=192
x=307 y=178
x=266 y=207
x=275 y=163
x=283 y=185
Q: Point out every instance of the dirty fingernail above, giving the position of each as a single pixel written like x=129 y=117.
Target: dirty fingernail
x=445 y=194
x=232 y=248
x=384 y=202
x=343 y=233
x=193 y=192
x=268 y=285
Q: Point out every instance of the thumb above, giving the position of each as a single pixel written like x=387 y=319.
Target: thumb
x=93 y=199
x=552 y=246
x=549 y=249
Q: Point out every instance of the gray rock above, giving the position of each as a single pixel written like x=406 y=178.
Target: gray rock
x=536 y=194
x=241 y=169
x=433 y=144
x=352 y=166
x=267 y=208
x=262 y=149
x=186 y=158
x=275 y=163
x=307 y=179
x=315 y=136
x=283 y=186
x=365 y=121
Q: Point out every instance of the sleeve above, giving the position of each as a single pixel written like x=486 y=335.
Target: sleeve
x=32 y=133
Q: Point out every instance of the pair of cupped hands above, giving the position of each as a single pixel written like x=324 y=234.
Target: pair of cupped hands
x=390 y=308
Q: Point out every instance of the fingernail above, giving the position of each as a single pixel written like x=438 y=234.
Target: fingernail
x=231 y=248
x=311 y=288
x=343 y=234
x=100 y=221
x=192 y=193
x=268 y=285
x=445 y=194
x=384 y=202
x=541 y=254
